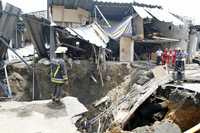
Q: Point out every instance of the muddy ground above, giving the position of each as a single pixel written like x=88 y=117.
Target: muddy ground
x=84 y=81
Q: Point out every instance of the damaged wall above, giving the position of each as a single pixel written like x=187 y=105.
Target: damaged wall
x=126 y=49
x=180 y=32
x=70 y=17
x=192 y=48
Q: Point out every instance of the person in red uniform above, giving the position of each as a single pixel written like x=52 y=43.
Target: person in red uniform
x=170 y=57
x=174 y=57
x=164 y=56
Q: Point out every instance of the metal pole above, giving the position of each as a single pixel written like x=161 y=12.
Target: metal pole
x=33 y=93
x=103 y=16
x=52 y=43
x=7 y=45
x=8 y=83
x=95 y=14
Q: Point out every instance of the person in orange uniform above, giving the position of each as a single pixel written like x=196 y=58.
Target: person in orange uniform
x=174 y=57
x=170 y=57
x=164 y=56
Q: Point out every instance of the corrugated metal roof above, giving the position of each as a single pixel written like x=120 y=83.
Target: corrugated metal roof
x=92 y=33
x=163 y=15
x=116 y=1
x=158 y=13
x=142 y=12
x=149 y=2
x=114 y=11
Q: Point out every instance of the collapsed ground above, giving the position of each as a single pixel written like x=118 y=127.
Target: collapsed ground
x=171 y=107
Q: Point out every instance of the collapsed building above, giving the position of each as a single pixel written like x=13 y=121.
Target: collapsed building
x=120 y=95
x=150 y=25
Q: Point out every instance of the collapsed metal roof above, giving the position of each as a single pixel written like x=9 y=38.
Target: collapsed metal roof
x=92 y=33
x=39 y=31
x=8 y=26
x=114 y=11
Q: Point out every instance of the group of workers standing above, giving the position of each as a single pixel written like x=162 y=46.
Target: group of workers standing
x=175 y=58
x=169 y=57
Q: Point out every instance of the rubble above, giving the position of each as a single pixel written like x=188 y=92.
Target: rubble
x=157 y=127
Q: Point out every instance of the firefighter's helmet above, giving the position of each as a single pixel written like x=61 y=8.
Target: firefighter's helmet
x=61 y=50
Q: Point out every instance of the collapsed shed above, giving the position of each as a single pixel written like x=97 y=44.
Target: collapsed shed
x=80 y=41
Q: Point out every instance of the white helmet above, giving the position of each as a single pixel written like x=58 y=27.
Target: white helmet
x=61 y=50
x=178 y=48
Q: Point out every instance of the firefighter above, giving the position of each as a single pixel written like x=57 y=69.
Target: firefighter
x=179 y=67
x=58 y=73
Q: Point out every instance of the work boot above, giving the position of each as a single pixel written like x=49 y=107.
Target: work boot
x=53 y=98
x=57 y=100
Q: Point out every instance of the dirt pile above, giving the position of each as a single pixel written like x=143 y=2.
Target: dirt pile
x=183 y=107
x=186 y=116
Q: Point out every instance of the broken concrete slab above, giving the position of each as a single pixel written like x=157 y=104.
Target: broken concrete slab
x=148 y=89
x=159 y=127
x=195 y=87
x=40 y=116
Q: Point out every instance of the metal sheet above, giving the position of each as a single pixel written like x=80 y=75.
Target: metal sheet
x=8 y=26
x=195 y=87
x=116 y=1
x=92 y=33
x=163 y=15
x=114 y=11
x=142 y=12
x=39 y=31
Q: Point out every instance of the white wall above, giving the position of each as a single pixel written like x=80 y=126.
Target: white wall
x=126 y=49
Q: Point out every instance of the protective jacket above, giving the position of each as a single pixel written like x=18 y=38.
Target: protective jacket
x=58 y=71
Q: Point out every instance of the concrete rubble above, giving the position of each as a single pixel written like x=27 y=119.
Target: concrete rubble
x=114 y=84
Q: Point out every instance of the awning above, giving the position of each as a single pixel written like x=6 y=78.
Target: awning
x=142 y=12
x=124 y=28
x=92 y=33
x=160 y=14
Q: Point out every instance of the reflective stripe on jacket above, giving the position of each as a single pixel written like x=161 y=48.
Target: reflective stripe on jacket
x=58 y=71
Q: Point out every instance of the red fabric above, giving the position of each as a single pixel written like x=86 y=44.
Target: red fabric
x=170 y=56
x=164 y=57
